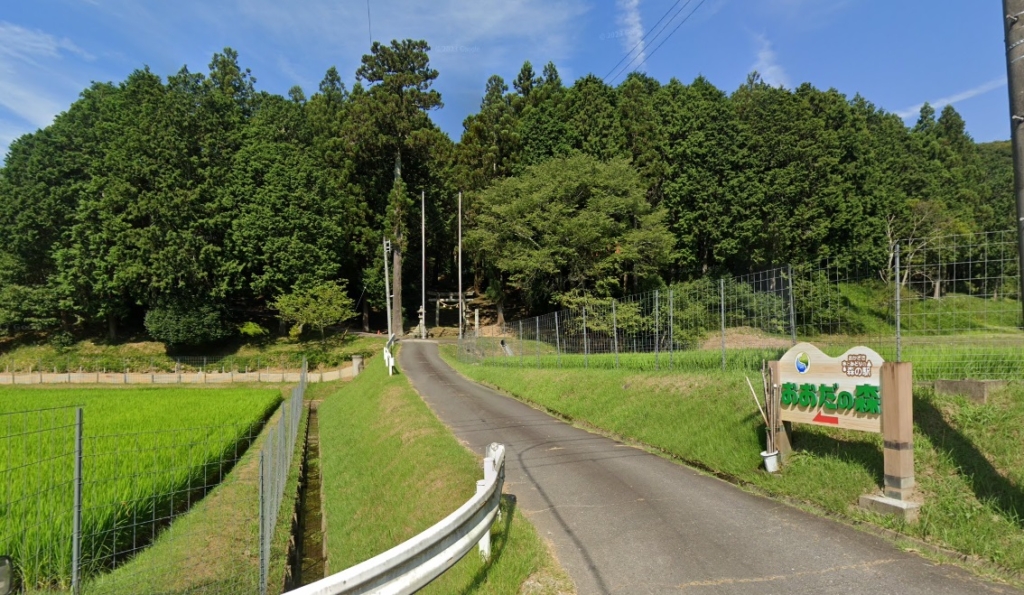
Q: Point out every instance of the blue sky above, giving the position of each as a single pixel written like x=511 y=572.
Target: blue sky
x=898 y=54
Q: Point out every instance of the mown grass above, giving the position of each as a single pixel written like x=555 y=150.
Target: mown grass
x=968 y=459
x=976 y=356
x=391 y=470
x=279 y=354
x=148 y=455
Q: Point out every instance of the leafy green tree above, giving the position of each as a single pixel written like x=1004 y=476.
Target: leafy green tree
x=394 y=126
x=541 y=125
x=592 y=122
x=699 y=125
x=489 y=146
x=568 y=226
x=319 y=306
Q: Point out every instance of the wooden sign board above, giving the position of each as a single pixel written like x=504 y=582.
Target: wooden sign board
x=839 y=392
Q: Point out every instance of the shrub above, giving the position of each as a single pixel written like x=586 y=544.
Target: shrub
x=181 y=325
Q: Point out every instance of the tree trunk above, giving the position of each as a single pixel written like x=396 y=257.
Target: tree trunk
x=501 y=315
x=938 y=283
x=366 y=316
x=396 y=286
x=112 y=326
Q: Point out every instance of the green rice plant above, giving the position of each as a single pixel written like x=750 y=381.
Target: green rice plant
x=148 y=456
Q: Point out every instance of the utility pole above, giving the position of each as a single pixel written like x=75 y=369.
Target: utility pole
x=423 y=264
x=1013 y=11
x=387 y=285
x=461 y=315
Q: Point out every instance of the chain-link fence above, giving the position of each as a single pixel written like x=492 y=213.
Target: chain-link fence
x=178 y=510
x=949 y=304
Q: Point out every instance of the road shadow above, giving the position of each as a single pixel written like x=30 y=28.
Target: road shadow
x=987 y=483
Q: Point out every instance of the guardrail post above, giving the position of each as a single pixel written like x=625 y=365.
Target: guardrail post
x=490 y=473
x=415 y=563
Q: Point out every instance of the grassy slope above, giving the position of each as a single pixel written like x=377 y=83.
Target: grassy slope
x=146 y=356
x=969 y=463
x=391 y=469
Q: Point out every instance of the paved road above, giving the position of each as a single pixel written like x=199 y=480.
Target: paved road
x=625 y=521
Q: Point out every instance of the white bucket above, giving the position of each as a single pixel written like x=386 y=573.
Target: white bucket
x=771 y=461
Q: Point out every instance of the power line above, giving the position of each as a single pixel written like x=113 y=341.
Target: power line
x=681 y=23
x=630 y=52
x=659 y=32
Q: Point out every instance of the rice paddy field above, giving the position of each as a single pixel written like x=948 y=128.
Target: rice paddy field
x=149 y=454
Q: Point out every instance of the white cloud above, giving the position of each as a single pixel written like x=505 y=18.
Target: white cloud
x=768 y=66
x=25 y=100
x=633 y=28
x=496 y=30
x=27 y=45
x=942 y=102
x=28 y=71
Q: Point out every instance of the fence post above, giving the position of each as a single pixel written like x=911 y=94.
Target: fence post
x=899 y=334
x=537 y=337
x=792 y=310
x=76 y=526
x=558 y=343
x=586 y=347
x=521 y=350
x=657 y=324
x=262 y=533
x=721 y=298
x=671 y=329
x=615 y=334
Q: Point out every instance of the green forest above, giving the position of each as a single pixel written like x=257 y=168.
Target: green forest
x=189 y=206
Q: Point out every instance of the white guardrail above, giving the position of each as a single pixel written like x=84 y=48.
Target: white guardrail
x=410 y=566
x=389 y=358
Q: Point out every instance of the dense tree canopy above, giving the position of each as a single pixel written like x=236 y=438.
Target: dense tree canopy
x=199 y=200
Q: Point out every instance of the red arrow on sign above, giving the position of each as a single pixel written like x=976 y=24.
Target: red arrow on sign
x=821 y=418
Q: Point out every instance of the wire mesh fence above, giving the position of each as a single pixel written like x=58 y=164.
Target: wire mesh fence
x=58 y=363
x=179 y=510
x=950 y=305
x=274 y=463
x=37 y=485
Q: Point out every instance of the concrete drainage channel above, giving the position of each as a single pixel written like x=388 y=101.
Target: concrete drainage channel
x=307 y=546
